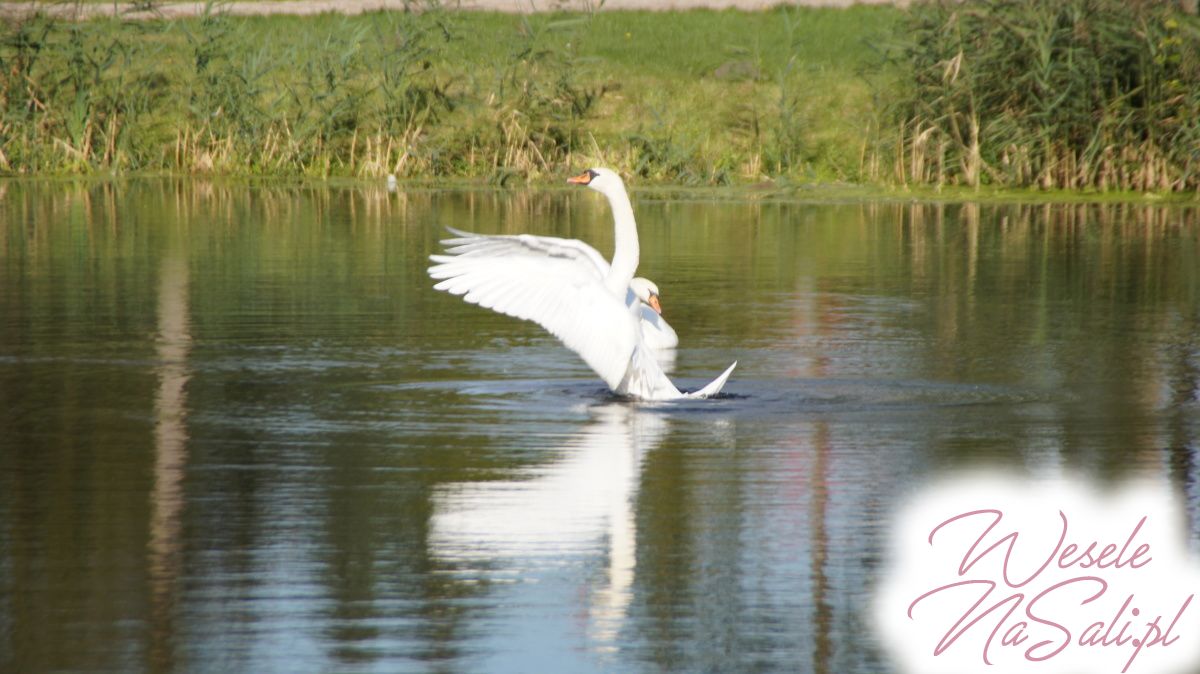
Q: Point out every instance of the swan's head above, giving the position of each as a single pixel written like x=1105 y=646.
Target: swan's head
x=645 y=290
x=604 y=181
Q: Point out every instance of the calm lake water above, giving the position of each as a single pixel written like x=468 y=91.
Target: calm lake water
x=240 y=432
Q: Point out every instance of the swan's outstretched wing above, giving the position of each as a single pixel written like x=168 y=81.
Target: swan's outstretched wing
x=498 y=245
x=556 y=283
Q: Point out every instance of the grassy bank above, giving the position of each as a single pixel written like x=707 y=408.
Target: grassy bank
x=1078 y=95
x=700 y=97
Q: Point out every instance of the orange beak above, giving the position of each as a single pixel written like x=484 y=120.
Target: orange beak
x=581 y=179
x=654 y=304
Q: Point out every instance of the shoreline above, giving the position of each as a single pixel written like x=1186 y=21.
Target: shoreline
x=760 y=192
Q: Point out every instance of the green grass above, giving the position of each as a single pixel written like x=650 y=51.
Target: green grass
x=794 y=96
x=699 y=97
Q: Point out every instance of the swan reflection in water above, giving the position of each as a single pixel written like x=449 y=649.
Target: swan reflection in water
x=561 y=513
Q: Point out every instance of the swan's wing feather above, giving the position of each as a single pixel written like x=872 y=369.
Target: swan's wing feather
x=523 y=245
x=555 y=283
x=657 y=333
x=714 y=386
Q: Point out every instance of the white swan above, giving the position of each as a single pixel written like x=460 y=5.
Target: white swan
x=656 y=332
x=565 y=286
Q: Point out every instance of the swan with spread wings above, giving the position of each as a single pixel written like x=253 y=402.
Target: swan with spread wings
x=568 y=288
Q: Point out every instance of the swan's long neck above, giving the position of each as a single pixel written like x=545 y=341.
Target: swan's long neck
x=626 y=251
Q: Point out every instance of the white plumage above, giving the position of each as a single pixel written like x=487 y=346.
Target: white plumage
x=565 y=286
x=656 y=332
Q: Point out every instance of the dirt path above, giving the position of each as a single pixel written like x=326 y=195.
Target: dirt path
x=172 y=10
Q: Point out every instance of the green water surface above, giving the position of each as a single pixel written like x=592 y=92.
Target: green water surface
x=240 y=432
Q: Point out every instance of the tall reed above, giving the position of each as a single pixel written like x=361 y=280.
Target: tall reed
x=70 y=93
x=1076 y=94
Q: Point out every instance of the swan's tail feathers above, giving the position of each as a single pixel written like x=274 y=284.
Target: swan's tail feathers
x=713 y=387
